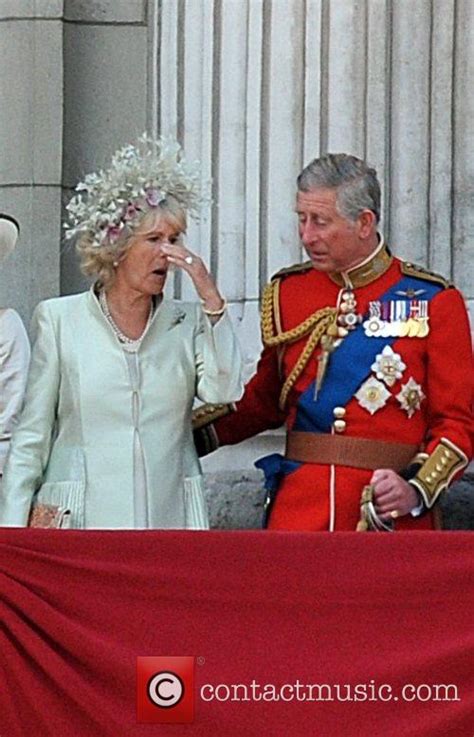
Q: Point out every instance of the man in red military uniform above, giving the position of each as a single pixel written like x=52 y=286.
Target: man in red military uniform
x=368 y=362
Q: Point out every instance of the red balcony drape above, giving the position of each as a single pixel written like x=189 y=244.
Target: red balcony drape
x=77 y=608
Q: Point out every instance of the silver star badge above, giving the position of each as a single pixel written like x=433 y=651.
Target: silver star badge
x=372 y=395
x=388 y=366
x=411 y=396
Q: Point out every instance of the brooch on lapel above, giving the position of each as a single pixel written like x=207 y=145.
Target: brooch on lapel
x=178 y=317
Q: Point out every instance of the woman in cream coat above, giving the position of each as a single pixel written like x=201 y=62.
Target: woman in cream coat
x=14 y=351
x=106 y=429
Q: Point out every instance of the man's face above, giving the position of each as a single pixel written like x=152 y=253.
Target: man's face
x=332 y=242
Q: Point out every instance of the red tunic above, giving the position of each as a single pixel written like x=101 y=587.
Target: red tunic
x=440 y=363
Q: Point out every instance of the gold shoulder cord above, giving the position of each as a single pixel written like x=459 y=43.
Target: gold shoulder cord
x=276 y=306
x=316 y=324
x=277 y=320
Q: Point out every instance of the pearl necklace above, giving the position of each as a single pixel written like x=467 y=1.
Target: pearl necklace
x=121 y=337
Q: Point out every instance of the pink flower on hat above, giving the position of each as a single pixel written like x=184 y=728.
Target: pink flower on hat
x=153 y=197
x=113 y=232
x=131 y=212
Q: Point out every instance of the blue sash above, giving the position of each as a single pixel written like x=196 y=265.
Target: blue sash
x=349 y=365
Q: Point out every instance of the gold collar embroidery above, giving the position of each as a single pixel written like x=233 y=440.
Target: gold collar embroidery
x=371 y=269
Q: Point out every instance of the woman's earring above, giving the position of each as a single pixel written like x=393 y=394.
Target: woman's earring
x=115 y=264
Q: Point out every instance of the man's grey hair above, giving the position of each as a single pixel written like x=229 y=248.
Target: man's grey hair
x=355 y=181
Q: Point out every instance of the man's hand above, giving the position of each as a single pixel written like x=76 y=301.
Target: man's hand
x=393 y=496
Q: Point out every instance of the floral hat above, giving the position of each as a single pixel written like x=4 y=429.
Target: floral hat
x=140 y=177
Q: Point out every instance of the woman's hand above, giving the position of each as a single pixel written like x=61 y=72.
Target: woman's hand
x=196 y=268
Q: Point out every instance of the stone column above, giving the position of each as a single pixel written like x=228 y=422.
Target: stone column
x=31 y=117
x=105 y=93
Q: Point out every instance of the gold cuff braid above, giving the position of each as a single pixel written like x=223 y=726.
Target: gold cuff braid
x=316 y=324
x=438 y=470
x=207 y=413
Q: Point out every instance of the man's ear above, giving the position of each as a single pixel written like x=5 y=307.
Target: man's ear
x=366 y=223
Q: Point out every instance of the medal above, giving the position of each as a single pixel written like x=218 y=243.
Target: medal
x=398 y=318
x=372 y=395
x=388 y=366
x=374 y=324
x=411 y=396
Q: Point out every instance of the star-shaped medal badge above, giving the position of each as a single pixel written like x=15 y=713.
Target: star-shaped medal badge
x=372 y=395
x=411 y=396
x=388 y=366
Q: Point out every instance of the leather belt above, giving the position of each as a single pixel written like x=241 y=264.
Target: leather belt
x=340 y=450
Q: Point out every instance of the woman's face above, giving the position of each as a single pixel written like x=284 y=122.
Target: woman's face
x=144 y=267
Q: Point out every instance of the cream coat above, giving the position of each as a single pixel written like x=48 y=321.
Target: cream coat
x=14 y=361
x=75 y=441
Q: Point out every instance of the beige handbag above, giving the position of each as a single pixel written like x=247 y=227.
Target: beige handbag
x=49 y=516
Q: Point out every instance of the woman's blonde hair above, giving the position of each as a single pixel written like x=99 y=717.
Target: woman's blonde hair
x=99 y=262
